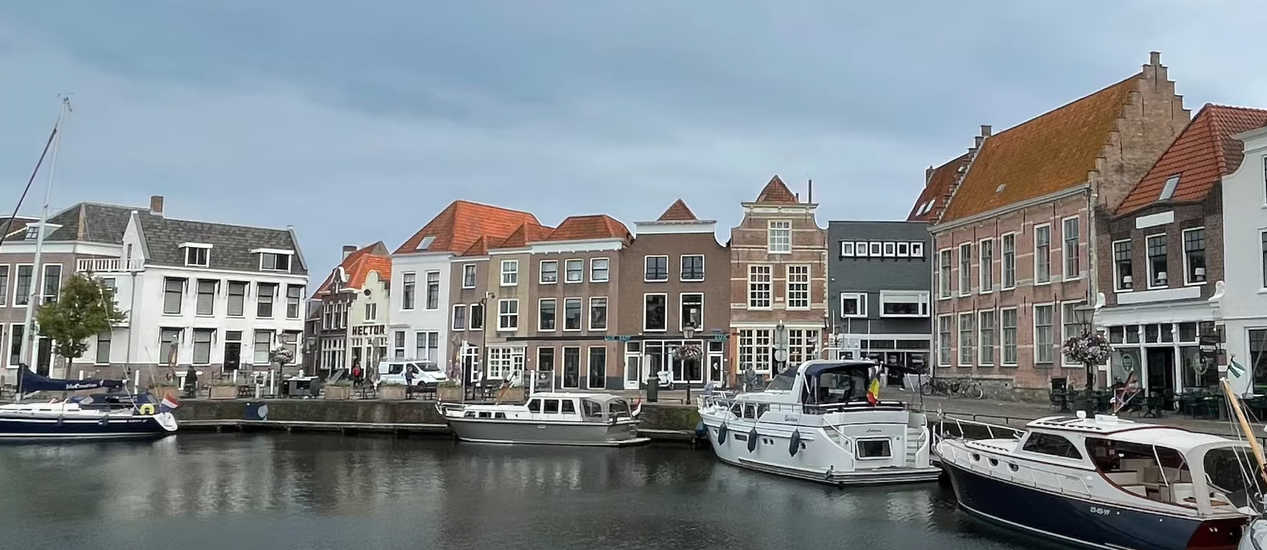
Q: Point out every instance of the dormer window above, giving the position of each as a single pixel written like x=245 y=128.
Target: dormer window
x=197 y=254
x=32 y=232
x=426 y=242
x=274 y=260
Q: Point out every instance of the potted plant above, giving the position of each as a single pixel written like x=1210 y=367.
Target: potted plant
x=391 y=390
x=339 y=389
x=224 y=389
x=449 y=390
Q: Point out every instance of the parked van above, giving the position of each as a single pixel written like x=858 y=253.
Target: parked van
x=424 y=374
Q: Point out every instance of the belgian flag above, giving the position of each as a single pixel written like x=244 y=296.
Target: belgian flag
x=873 y=387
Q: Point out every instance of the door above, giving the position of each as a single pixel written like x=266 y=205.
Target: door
x=46 y=356
x=1161 y=369
x=232 y=355
x=632 y=362
x=715 y=373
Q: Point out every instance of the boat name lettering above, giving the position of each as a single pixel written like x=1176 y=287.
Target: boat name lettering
x=1101 y=511
x=872 y=431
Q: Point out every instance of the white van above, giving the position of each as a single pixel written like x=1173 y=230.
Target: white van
x=425 y=374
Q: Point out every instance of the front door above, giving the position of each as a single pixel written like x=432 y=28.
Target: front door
x=232 y=355
x=715 y=374
x=45 y=358
x=632 y=362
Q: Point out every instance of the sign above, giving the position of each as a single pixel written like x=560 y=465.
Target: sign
x=617 y=338
x=721 y=336
x=780 y=355
x=369 y=330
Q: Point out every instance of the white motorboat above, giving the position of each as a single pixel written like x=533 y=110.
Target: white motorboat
x=819 y=422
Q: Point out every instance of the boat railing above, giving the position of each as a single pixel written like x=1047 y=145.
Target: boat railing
x=962 y=428
x=994 y=466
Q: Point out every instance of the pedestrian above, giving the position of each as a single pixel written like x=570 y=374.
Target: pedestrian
x=191 y=383
x=357 y=375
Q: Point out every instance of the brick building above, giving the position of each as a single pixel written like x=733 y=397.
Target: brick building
x=352 y=311
x=778 y=274
x=1021 y=210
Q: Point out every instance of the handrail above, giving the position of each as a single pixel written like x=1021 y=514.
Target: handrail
x=1057 y=477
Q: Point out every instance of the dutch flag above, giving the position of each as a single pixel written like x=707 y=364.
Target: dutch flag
x=168 y=403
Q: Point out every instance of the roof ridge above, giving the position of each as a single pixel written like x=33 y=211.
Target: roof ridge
x=484 y=204
x=223 y=224
x=1132 y=78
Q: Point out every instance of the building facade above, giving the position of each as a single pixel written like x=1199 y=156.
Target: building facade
x=1241 y=302
x=675 y=275
x=1012 y=244
x=778 y=273
x=1162 y=252
x=878 y=277
x=354 y=310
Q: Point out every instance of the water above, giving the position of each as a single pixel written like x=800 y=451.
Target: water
x=316 y=492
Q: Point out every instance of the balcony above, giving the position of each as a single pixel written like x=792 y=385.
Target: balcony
x=109 y=265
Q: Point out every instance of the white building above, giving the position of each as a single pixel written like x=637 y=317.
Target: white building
x=204 y=294
x=1241 y=303
x=353 y=310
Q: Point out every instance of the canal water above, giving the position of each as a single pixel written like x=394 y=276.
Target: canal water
x=317 y=492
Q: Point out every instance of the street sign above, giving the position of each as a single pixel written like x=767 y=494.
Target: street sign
x=780 y=355
x=719 y=336
x=617 y=338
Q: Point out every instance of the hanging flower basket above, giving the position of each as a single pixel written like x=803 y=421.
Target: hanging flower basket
x=282 y=356
x=1087 y=349
x=689 y=351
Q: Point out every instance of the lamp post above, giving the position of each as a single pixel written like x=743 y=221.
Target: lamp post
x=688 y=332
x=1085 y=316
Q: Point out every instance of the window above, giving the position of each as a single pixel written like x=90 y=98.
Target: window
x=943 y=274
x=427 y=346
x=571 y=367
x=265 y=292
x=655 y=307
x=371 y=312
x=874 y=449
x=169 y=345
x=890 y=250
x=408 y=295
x=1168 y=190
x=1122 y=251
x=597 y=368
x=798 y=287
x=965 y=269
x=571 y=314
x=22 y=290
x=600 y=270
x=508 y=314
x=1157 y=277
x=1007 y=318
x=1194 y=256
x=273 y=261
x=206 y=303
x=107 y=283
x=903 y=250
x=779 y=237
x=399 y=347
x=1042 y=254
x=4 y=284
x=1069 y=324
x=202 y=345
x=692 y=312
x=755 y=349
x=468 y=276
x=575 y=271
x=433 y=290
x=477 y=317
x=874 y=249
x=853 y=305
x=1263 y=239
x=966 y=339
x=103 y=348
x=294 y=295
x=237 y=298
x=52 y=283
x=801 y=344
x=1051 y=445
x=546 y=314
x=1043 y=344
x=693 y=267
x=598 y=313
x=505 y=363
x=657 y=268
x=196 y=256
x=1070 y=251
x=173 y=295
x=545 y=359
x=760 y=286
x=1008 y=270
x=510 y=272
x=15 y=344
x=985 y=255
x=985 y=330
x=459 y=317
x=846 y=249
x=903 y=303
x=549 y=272
x=860 y=249
x=943 y=340
x=917 y=250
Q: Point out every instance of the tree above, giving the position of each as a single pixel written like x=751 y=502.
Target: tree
x=84 y=309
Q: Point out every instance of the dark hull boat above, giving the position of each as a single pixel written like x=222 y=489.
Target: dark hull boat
x=109 y=415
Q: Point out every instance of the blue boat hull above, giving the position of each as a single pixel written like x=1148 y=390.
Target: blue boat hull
x=27 y=428
x=1086 y=523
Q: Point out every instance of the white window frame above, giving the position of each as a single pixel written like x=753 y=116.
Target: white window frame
x=470 y=316
x=945 y=275
x=1187 y=267
x=664 y=295
x=917 y=249
x=408 y=291
x=502 y=317
x=580 y=307
x=645 y=259
x=969 y=349
x=985 y=266
x=1117 y=273
x=541 y=272
x=860 y=249
x=982 y=358
x=1004 y=266
x=1037 y=280
x=1064 y=333
x=290 y=259
x=903 y=249
x=945 y=334
x=919 y=297
x=426 y=297
x=875 y=249
x=860 y=298
x=1016 y=345
x=453 y=320
x=555 y=303
x=607 y=266
x=1065 y=258
x=774 y=244
x=509 y=273
x=890 y=250
x=189 y=247
x=1033 y=321
x=754 y=272
x=682 y=265
x=30 y=295
x=589 y=314
x=681 y=309
x=567 y=269
x=788 y=282
x=965 y=269
x=474 y=275
x=1148 y=258
x=846 y=249
x=1262 y=254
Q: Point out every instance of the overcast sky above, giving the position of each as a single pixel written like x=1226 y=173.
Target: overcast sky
x=359 y=121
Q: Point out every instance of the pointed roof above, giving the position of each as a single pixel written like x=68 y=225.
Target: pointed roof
x=678 y=212
x=463 y=222
x=358 y=266
x=591 y=227
x=1197 y=160
x=1052 y=152
x=523 y=236
x=937 y=189
x=776 y=191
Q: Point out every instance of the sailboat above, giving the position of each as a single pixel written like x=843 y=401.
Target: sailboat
x=111 y=414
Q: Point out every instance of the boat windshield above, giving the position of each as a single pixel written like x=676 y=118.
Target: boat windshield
x=1232 y=476
x=782 y=381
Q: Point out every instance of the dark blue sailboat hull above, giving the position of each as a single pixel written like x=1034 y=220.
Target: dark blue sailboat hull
x=25 y=428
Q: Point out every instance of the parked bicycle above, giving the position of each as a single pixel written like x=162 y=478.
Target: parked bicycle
x=971 y=389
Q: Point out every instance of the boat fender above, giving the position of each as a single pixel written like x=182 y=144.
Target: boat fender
x=701 y=431
x=795 y=445
x=103 y=420
x=752 y=440
x=147 y=409
x=721 y=433
x=60 y=420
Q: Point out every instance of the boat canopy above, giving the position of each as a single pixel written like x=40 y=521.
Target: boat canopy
x=31 y=382
x=837 y=382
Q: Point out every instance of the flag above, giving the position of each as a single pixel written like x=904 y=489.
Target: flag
x=1235 y=369
x=873 y=388
x=168 y=403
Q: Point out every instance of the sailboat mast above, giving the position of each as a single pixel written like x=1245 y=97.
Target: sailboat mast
x=37 y=280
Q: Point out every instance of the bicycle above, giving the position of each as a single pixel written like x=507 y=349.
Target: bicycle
x=935 y=386
x=971 y=389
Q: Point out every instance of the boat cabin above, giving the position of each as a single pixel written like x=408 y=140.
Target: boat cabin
x=595 y=407
x=819 y=387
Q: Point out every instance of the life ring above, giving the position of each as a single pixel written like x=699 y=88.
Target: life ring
x=147 y=409
x=795 y=444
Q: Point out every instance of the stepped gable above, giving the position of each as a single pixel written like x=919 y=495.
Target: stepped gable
x=463 y=222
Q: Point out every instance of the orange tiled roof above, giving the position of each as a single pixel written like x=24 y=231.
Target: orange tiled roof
x=525 y=234
x=678 y=212
x=776 y=191
x=459 y=225
x=358 y=266
x=937 y=190
x=1044 y=155
x=1202 y=154
x=597 y=226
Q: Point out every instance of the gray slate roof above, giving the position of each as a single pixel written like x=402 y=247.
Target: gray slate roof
x=231 y=244
x=88 y=222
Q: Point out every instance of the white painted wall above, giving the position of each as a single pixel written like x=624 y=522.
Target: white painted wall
x=419 y=318
x=1244 y=302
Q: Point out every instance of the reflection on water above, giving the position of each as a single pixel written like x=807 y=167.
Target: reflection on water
x=279 y=491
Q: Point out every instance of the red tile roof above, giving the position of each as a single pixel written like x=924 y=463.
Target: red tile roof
x=1202 y=154
x=358 y=266
x=523 y=236
x=776 y=191
x=459 y=225
x=581 y=228
x=937 y=190
x=1041 y=156
x=678 y=212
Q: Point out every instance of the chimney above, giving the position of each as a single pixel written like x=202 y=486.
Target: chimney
x=798 y=197
x=928 y=175
x=1154 y=59
x=348 y=249
x=985 y=130
x=156 y=205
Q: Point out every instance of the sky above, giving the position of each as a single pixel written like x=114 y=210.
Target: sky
x=359 y=121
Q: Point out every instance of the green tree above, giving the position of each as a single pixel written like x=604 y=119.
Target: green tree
x=84 y=309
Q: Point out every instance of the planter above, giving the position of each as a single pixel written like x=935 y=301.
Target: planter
x=337 y=392
x=391 y=393
x=509 y=395
x=449 y=393
x=224 y=392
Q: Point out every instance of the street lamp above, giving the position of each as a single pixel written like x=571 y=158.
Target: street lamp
x=1089 y=348
x=688 y=332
